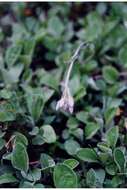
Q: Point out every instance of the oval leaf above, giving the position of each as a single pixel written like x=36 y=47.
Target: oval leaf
x=119 y=159
x=91 y=129
x=110 y=74
x=91 y=178
x=87 y=155
x=49 y=135
x=20 y=158
x=46 y=161
x=71 y=147
x=19 y=137
x=33 y=175
x=7 y=178
x=112 y=136
x=64 y=177
x=35 y=105
x=12 y=54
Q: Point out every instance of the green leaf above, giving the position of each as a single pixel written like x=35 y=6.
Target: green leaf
x=49 y=135
x=111 y=168
x=104 y=147
x=100 y=176
x=94 y=28
x=12 y=54
x=7 y=156
x=80 y=93
x=91 y=178
x=25 y=59
x=46 y=161
x=72 y=123
x=72 y=163
x=119 y=159
x=104 y=157
x=78 y=133
x=38 y=140
x=12 y=75
x=109 y=26
x=5 y=94
x=40 y=34
x=55 y=26
x=33 y=175
x=47 y=93
x=116 y=181
x=95 y=178
x=109 y=115
x=28 y=49
x=89 y=67
x=19 y=137
x=71 y=147
x=91 y=129
x=34 y=131
x=87 y=155
x=92 y=83
x=123 y=56
x=20 y=158
x=51 y=44
x=77 y=89
x=50 y=79
x=7 y=178
x=35 y=105
x=7 y=112
x=26 y=184
x=82 y=116
x=75 y=84
x=64 y=177
x=112 y=136
x=29 y=45
x=110 y=74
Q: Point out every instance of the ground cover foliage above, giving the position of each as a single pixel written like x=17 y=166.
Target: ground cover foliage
x=39 y=146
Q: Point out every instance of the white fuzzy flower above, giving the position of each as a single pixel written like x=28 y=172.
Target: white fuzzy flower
x=66 y=102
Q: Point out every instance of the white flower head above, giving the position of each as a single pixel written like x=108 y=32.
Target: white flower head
x=66 y=102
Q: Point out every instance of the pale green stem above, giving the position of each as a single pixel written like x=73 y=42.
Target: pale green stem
x=73 y=59
x=68 y=74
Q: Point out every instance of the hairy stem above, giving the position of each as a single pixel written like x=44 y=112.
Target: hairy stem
x=72 y=60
